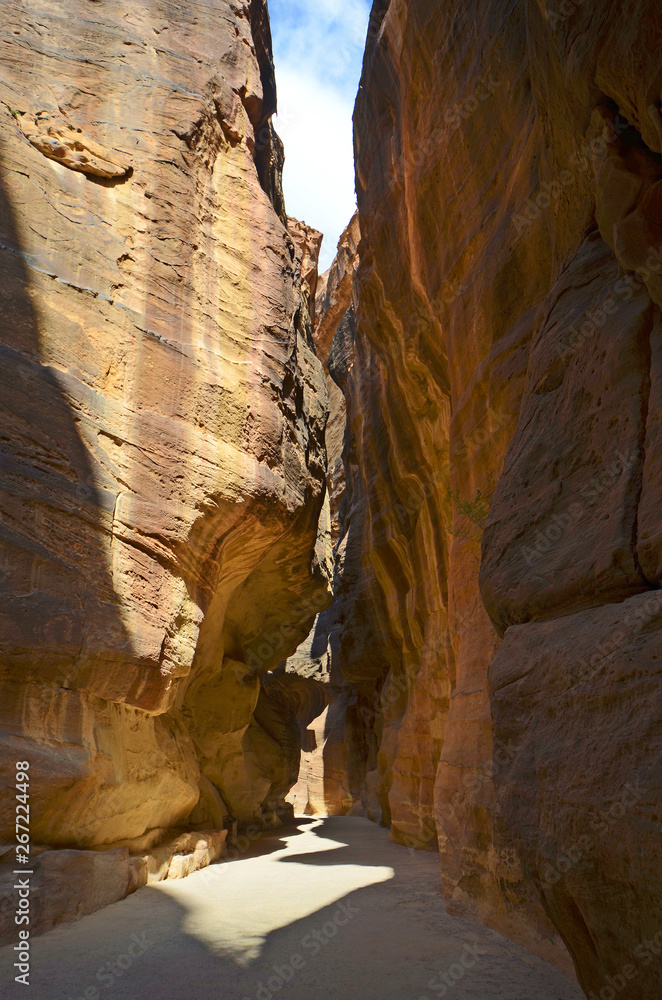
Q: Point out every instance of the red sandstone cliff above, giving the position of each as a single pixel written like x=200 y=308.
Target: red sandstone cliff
x=487 y=679
x=162 y=445
x=497 y=605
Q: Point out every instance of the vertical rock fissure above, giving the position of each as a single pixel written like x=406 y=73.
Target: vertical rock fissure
x=527 y=293
x=646 y=344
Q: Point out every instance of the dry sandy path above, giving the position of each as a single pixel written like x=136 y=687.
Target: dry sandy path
x=328 y=911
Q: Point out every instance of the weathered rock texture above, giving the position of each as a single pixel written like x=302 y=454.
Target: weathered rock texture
x=334 y=299
x=163 y=413
x=506 y=353
x=323 y=781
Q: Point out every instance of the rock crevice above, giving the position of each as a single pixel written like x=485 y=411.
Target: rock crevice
x=498 y=539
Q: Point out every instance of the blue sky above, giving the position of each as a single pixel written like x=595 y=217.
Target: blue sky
x=318 y=50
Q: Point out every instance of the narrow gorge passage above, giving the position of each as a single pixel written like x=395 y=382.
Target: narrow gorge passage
x=331 y=488
x=328 y=910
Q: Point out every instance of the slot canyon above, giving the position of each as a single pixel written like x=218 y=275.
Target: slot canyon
x=325 y=559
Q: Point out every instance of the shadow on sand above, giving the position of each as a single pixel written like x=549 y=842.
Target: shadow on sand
x=330 y=910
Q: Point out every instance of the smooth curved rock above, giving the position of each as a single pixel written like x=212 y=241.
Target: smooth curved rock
x=503 y=412
x=162 y=445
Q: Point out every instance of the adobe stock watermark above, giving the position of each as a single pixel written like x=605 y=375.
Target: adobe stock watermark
x=550 y=192
x=474 y=779
x=485 y=87
x=312 y=944
x=590 y=493
x=646 y=953
x=643 y=612
x=437 y=484
x=624 y=290
x=110 y=971
x=445 y=981
x=604 y=823
x=454 y=115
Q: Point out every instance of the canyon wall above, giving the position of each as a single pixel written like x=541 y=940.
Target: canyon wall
x=487 y=679
x=324 y=784
x=163 y=416
x=497 y=582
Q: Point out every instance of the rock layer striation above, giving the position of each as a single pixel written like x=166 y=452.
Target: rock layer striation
x=162 y=446
x=497 y=609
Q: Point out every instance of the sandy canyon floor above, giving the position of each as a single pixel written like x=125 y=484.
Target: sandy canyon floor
x=329 y=910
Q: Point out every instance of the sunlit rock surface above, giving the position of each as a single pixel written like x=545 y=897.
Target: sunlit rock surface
x=162 y=446
x=503 y=475
x=487 y=679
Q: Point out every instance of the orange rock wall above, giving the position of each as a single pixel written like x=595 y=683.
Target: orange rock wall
x=162 y=439
x=502 y=535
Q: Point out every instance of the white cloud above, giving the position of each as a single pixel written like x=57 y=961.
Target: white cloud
x=318 y=48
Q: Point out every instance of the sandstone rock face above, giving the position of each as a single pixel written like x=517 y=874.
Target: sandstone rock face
x=323 y=781
x=332 y=305
x=503 y=466
x=162 y=446
x=335 y=288
x=67 y=885
x=579 y=699
x=487 y=679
